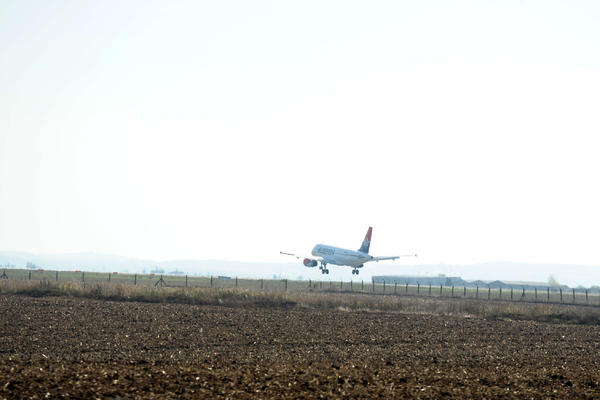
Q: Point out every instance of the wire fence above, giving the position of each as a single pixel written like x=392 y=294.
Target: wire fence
x=554 y=295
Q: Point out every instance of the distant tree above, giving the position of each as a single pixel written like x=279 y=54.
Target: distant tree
x=30 y=265
x=552 y=281
x=157 y=270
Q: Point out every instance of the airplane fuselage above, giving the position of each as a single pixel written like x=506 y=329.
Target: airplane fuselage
x=339 y=256
x=324 y=254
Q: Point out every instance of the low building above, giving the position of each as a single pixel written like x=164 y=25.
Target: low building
x=524 y=285
x=456 y=281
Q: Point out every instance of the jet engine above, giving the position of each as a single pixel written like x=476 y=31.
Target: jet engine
x=310 y=263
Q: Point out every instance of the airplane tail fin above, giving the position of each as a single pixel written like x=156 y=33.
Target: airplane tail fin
x=366 y=242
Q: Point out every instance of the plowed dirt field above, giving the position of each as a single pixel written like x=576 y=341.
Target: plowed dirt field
x=58 y=347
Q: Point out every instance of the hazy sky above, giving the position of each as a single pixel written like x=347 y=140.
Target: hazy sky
x=465 y=131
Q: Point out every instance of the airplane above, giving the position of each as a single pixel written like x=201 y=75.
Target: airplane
x=356 y=259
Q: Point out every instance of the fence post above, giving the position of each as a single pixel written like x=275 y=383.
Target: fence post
x=351 y=285
x=373 y=282
x=477 y=292
x=573 y=296
x=83 y=276
x=406 y=288
x=309 y=284
x=523 y=295
x=535 y=294
x=511 y=294
x=452 y=292
x=560 y=294
x=29 y=275
x=548 y=291
x=384 y=286
x=440 y=290
x=160 y=282
x=362 y=285
x=341 y=285
x=464 y=291
x=500 y=293
x=285 y=284
x=56 y=276
x=418 y=287
x=320 y=284
x=109 y=276
x=430 y=290
x=134 y=279
x=395 y=287
x=586 y=297
x=236 y=283
x=185 y=280
x=489 y=292
x=261 y=284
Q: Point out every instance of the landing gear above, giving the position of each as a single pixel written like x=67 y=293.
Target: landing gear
x=355 y=270
x=324 y=269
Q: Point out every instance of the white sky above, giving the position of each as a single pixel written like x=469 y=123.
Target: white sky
x=464 y=131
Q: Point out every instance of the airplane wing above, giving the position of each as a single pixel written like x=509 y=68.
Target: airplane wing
x=300 y=256
x=392 y=257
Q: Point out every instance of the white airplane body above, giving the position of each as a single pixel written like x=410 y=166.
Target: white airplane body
x=356 y=259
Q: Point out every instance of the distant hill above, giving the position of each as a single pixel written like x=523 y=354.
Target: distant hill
x=72 y=261
x=566 y=274
x=109 y=263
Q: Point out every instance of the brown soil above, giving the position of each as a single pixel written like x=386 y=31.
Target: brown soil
x=81 y=348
